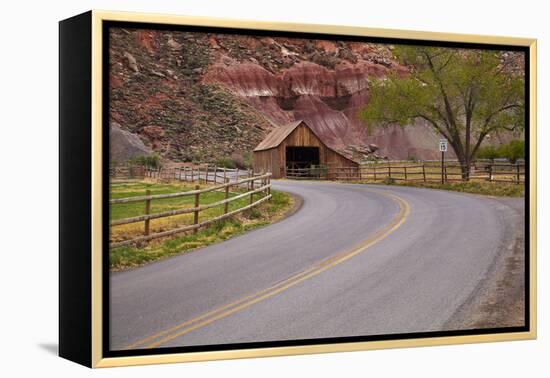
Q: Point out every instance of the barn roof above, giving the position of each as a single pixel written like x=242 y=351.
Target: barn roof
x=277 y=135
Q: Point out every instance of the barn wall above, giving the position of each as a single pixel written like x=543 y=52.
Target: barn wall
x=267 y=161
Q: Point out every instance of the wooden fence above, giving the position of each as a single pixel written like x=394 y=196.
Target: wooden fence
x=200 y=174
x=426 y=172
x=126 y=172
x=264 y=181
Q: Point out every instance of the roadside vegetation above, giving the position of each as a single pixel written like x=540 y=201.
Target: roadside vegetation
x=499 y=189
x=512 y=151
x=135 y=255
x=475 y=187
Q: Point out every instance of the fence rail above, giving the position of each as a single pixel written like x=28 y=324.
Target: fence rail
x=263 y=188
x=204 y=174
x=426 y=172
x=126 y=172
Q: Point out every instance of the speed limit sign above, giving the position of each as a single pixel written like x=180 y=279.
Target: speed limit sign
x=443 y=145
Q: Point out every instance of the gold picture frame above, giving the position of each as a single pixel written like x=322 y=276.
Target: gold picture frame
x=93 y=24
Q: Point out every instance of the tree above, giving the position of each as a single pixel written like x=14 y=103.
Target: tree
x=463 y=94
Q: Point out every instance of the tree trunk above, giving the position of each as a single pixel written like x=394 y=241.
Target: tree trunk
x=464 y=161
x=465 y=169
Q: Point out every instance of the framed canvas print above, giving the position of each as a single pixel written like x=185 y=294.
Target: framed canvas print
x=235 y=189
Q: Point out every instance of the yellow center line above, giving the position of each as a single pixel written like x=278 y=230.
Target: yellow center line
x=212 y=312
x=247 y=301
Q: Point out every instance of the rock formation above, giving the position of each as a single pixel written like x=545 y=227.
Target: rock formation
x=203 y=96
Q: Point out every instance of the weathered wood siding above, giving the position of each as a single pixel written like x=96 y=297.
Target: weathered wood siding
x=267 y=161
x=274 y=159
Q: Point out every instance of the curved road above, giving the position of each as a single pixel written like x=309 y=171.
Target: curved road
x=353 y=260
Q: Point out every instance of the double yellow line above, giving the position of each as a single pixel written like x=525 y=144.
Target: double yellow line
x=203 y=320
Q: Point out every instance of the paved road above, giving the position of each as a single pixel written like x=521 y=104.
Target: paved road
x=354 y=260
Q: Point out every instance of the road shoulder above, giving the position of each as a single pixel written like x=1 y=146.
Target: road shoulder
x=499 y=300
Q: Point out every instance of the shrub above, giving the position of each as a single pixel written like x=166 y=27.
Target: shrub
x=512 y=151
x=242 y=161
x=153 y=161
x=226 y=162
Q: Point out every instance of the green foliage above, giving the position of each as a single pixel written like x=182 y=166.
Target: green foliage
x=512 y=151
x=242 y=161
x=236 y=160
x=463 y=94
x=226 y=162
x=153 y=161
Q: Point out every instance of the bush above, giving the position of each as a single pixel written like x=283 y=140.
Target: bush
x=148 y=161
x=512 y=151
x=226 y=162
x=242 y=161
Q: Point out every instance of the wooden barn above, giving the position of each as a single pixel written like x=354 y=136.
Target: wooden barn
x=296 y=146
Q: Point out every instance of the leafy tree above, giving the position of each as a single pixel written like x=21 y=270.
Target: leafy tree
x=464 y=94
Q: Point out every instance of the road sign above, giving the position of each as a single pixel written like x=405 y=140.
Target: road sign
x=443 y=145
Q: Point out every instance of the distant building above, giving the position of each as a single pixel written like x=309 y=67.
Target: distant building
x=296 y=146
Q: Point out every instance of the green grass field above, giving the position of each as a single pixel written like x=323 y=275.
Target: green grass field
x=130 y=256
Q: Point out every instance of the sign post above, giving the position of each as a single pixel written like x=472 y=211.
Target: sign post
x=443 y=149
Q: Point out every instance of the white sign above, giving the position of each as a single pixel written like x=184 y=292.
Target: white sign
x=442 y=145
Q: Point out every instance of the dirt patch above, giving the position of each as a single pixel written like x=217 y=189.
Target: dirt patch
x=499 y=300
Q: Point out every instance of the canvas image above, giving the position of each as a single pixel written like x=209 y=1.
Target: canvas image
x=281 y=189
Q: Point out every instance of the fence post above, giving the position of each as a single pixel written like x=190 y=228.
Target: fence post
x=389 y=171
x=269 y=183
x=196 y=212
x=147 y=211
x=251 y=188
x=226 y=206
x=249 y=183
x=192 y=174
x=215 y=174
x=224 y=174
x=206 y=175
x=490 y=172
x=374 y=172
x=405 y=167
x=517 y=172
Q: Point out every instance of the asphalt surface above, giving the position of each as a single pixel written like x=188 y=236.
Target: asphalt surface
x=353 y=260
